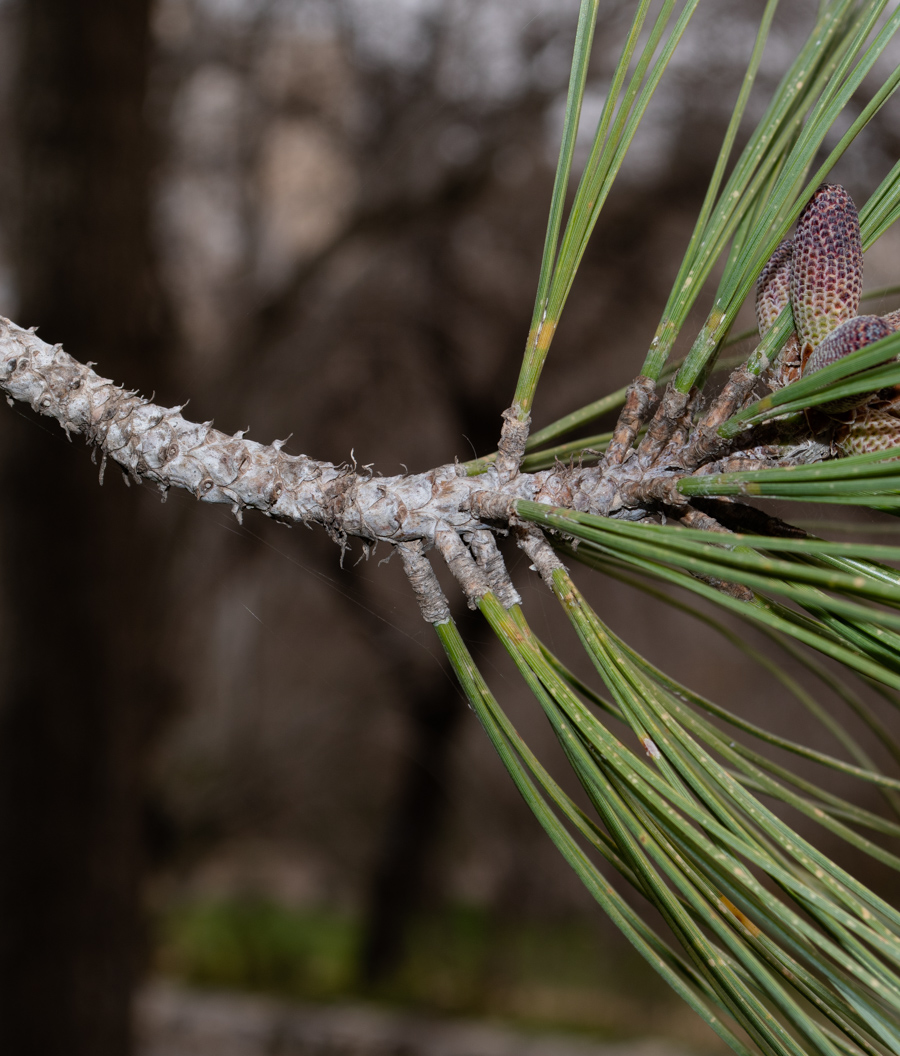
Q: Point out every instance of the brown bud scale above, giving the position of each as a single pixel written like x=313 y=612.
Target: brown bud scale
x=787 y=367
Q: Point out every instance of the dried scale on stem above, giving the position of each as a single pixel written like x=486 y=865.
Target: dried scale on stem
x=819 y=274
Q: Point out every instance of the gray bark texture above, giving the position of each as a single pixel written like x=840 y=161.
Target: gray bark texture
x=157 y=444
x=444 y=508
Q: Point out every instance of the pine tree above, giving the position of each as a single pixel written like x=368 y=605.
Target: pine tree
x=776 y=946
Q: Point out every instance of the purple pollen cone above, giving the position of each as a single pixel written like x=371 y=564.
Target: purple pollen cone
x=848 y=337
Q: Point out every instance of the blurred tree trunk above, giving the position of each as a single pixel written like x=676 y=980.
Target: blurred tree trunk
x=434 y=708
x=411 y=832
x=80 y=691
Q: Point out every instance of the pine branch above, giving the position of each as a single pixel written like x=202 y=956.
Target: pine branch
x=159 y=445
x=443 y=508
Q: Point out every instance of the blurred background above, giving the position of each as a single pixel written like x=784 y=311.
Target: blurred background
x=226 y=761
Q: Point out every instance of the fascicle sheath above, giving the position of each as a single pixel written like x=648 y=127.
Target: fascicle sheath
x=826 y=269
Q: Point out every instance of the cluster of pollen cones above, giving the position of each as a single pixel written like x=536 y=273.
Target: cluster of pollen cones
x=819 y=272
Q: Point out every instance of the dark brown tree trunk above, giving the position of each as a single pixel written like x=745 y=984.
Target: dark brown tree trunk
x=411 y=831
x=80 y=690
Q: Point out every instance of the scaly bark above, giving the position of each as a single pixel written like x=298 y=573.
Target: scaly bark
x=443 y=508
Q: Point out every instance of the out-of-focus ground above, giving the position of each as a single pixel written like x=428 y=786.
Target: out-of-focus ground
x=174 y=1022
x=537 y=973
